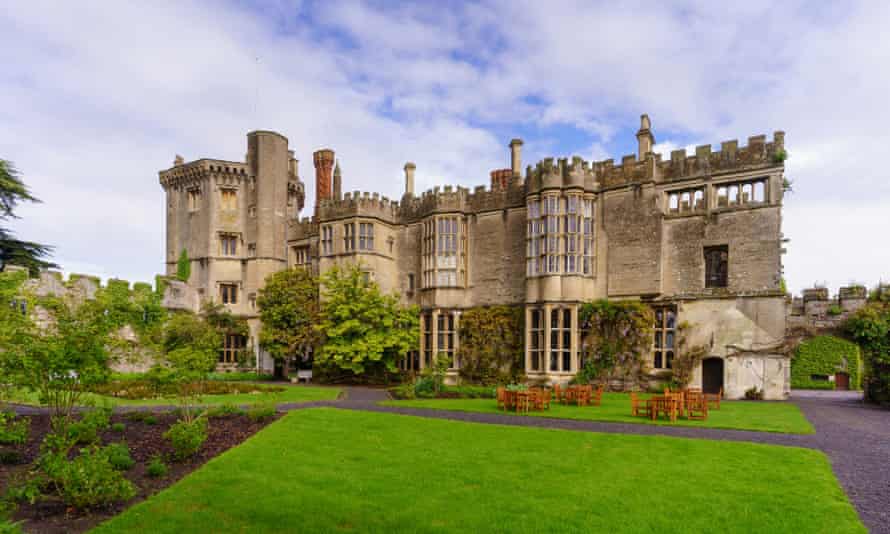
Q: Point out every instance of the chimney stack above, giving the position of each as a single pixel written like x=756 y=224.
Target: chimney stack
x=292 y=164
x=516 y=157
x=338 y=181
x=409 y=178
x=500 y=179
x=645 y=139
x=324 y=163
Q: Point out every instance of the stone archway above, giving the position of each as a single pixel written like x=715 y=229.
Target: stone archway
x=712 y=373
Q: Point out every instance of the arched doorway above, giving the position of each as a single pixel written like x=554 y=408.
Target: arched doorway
x=712 y=375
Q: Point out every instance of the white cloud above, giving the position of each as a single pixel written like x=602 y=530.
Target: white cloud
x=96 y=97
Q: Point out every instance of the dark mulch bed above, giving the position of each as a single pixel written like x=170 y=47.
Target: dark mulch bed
x=145 y=442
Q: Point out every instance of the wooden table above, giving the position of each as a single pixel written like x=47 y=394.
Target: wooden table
x=666 y=404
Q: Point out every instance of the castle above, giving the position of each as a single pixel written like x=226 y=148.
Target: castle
x=698 y=237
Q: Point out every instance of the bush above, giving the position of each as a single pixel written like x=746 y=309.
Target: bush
x=869 y=326
x=119 y=456
x=187 y=437
x=425 y=387
x=14 y=431
x=261 y=412
x=90 y=480
x=9 y=527
x=469 y=392
x=86 y=430
x=150 y=420
x=224 y=410
x=156 y=468
x=824 y=356
x=403 y=391
x=10 y=457
x=239 y=376
x=118 y=427
x=753 y=394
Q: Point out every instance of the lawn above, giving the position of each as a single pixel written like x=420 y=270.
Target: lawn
x=290 y=394
x=325 y=470
x=739 y=415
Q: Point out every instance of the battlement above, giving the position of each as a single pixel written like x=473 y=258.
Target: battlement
x=816 y=308
x=184 y=174
x=358 y=204
x=301 y=228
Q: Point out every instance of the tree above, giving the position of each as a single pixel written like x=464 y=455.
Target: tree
x=184 y=266
x=364 y=329
x=15 y=251
x=289 y=311
x=61 y=358
x=491 y=344
x=616 y=337
x=869 y=326
x=191 y=345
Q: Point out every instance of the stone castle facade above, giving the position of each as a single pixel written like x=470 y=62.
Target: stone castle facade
x=697 y=236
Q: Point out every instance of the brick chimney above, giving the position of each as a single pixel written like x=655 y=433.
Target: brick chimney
x=500 y=179
x=324 y=166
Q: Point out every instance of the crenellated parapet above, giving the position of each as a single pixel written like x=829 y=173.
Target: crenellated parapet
x=506 y=194
x=562 y=173
x=186 y=175
x=302 y=228
x=358 y=204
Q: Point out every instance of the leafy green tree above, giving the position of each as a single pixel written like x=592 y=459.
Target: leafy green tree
x=869 y=326
x=289 y=310
x=191 y=346
x=183 y=266
x=616 y=337
x=62 y=358
x=363 y=328
x=491 y=344
x=15 y=251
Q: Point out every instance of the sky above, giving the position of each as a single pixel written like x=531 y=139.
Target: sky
x=97 y=97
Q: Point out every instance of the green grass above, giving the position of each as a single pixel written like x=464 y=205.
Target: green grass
x=290 y=394
x=739 y=415
x=328 y=470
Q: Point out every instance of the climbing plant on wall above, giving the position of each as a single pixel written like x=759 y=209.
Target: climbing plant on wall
x=616 y=336
x=183 y=266
x=491 y=344
x=824 y=356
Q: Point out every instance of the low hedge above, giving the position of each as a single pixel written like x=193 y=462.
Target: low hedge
x=824 y=355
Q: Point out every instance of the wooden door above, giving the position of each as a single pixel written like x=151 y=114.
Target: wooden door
x=842 y=381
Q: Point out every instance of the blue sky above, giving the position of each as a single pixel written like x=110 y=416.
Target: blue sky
x=96 y=97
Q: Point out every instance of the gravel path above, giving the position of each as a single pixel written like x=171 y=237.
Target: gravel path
x=856 y=437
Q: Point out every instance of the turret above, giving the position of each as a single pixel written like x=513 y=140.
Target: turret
x=338 y=182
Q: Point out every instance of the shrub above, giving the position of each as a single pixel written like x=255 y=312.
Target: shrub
x=156 y=468
x=90 y=480
x=119 y=456
x=224 y=410
x=86 y=430
x=187 y=437
x=14 y=431
x=834 y=309
x=824 y=356
x=869 y=326
x=150 y=420
x=10 y=456
x=753 y=394
x=9 y=527
x=118 y=427
x=425 y=387
x=261 y=412
x=403 y=391
x=469 y=392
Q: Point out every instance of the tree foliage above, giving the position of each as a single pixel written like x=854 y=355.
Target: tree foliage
x=491 y=344
x=869 y=326
x=13 y=191
x=289 y=311
x=615 y=338
x=364 y=329
x=183 y=266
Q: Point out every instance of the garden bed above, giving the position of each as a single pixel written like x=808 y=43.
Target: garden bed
x=145 y=441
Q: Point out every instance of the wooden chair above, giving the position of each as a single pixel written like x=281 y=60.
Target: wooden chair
x=584 y=395
x=502 y=398
x=545 y=399
x=522 y=400
x=640 y=407
x=597 y=396
x=713 y=399
x=557 y=392
x=696 y=407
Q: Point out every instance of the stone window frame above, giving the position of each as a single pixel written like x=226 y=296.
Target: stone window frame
x=664 y=336
x=686 y=201
x=444 y=251
x=228 y=244
x=349 y=237
x=302 y=256
x=327 y=240
x=446 y=337
x=228 y=198
x=366 y=236
x=733 y=194
x=233 y=346
x=426 y=339
x=193 y=199
x=560 y=349
x=561 y=234
x=536 y=349
x=716 y=257
x=228 y=292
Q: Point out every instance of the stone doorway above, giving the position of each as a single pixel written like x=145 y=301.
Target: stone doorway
x=712 y=375
x=842 y=381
